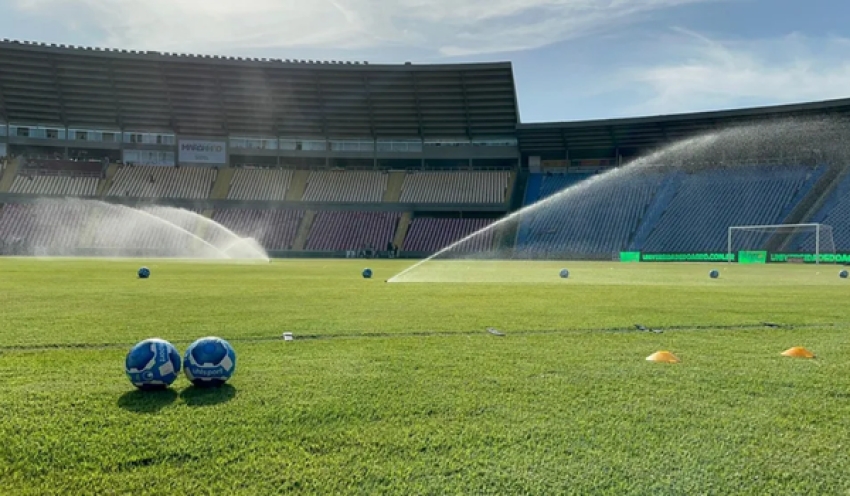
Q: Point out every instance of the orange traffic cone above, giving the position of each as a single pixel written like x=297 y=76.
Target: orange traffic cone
x=798 y=352
x=662 y=357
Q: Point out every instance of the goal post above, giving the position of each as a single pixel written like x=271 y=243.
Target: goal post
x=813 y=238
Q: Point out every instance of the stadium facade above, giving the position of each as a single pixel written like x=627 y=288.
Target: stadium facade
x=334 y=158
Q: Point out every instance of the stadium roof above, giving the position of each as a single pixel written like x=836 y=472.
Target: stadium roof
x=216 y=96
x=634 y=134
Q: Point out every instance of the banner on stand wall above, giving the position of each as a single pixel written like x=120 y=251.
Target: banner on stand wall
x=202 y=152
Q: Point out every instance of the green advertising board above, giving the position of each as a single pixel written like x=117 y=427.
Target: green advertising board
x=752 y=257
x=630 y=256
x=841 y=258
x=687 y=257
x=743 y=257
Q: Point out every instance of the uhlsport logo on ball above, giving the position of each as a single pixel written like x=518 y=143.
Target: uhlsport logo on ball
x=152 y=364
x=209 y=362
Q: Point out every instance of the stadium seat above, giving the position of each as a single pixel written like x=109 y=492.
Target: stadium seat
x=430 y=235
x=259 y=184
x=273 y=229
x=708 y=202
x=163 y=182
x=346 y=186
x=467 y=187
x=338 y=231
x=834 y=212
x=55 y=185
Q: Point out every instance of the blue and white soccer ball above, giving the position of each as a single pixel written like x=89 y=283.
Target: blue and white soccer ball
x=367 y=273
x=714 y=274
x=144 y=273
x=565 y=273
x=152 y=364
x=844 y=274
x=209 y=362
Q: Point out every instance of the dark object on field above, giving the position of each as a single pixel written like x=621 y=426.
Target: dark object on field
x=495 y=332
x=641 y=327
x=770 y=324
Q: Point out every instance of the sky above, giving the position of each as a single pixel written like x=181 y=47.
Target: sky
x=573 y=59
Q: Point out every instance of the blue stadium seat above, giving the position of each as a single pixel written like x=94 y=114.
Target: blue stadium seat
x=595 y=221
x=835 y=212
x=663 y=211
x=708 y=202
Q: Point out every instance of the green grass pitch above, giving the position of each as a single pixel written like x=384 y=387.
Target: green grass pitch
x=399 y=388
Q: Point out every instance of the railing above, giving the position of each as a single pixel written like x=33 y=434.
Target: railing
x=384 y=168
x=53 y=167
x=58 y=173
x=94 y=135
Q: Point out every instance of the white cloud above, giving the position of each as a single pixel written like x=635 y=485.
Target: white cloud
x=448 y=27
x=713 y=75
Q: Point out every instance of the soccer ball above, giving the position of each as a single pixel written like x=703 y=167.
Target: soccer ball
x=209 y=362
x=144 y=273
x=714 y=274
x=843 y=274
x=565 y=273
x=367 y=273
x=152 y=364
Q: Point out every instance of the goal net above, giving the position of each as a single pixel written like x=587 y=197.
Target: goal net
x=808 y=241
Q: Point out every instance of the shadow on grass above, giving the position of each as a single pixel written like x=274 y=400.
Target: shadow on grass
x=147 y=401
x=195 y=396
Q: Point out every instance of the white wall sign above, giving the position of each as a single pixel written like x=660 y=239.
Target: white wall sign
x=202 y=152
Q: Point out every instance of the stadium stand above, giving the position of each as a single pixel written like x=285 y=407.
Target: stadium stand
x=108 y=230
x=346 y=186
x=163 y=182
x=414 y=115
x=430 y=235
x=542 y=186
x=667 y=190
x=592 y=222
x=259 y=184
x=80 y=168
x=273 y=229
x=708 y=202
x=55 y=185
x=42 y=226
x=835 y=212
x=338 y=231
x=57 y=228
x=57 y=177
x=466 y=187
